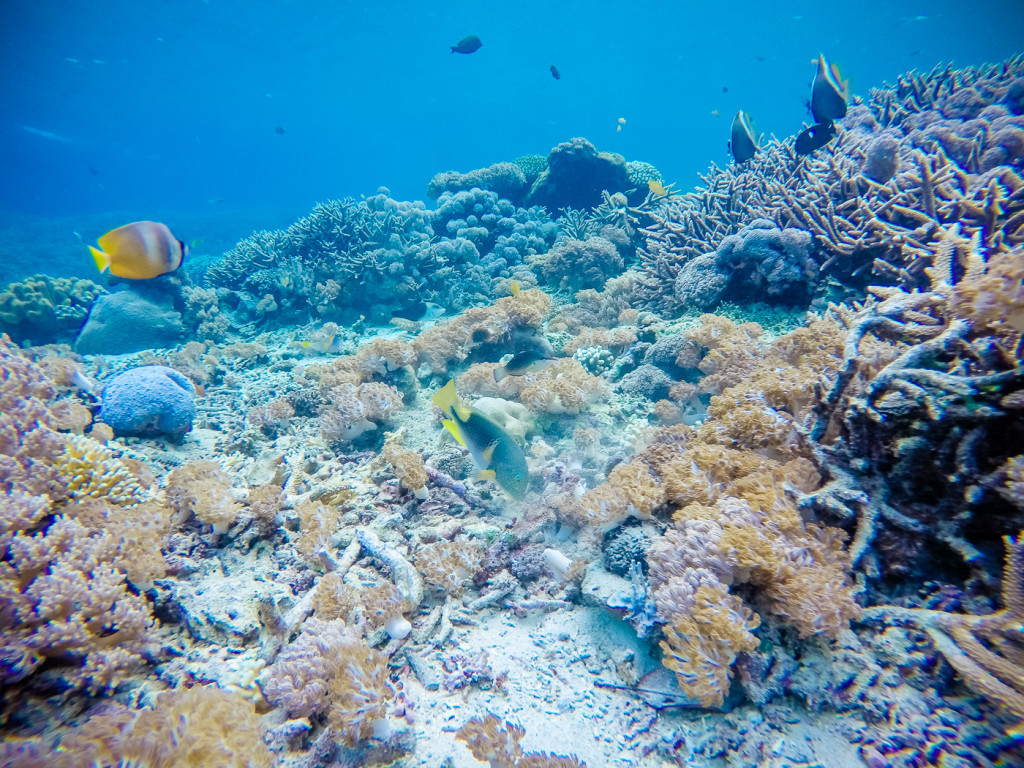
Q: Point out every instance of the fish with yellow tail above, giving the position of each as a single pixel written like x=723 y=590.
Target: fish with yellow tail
x=494 y=451
x=139 y=251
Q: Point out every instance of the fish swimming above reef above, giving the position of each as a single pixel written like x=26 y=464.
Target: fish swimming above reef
x=467 y=45
x=743 y=143
x=828 y=93
x=657 y=188
x=814 y=137
x=523 y=363
x=494 y=451
x=139 y=251
x=555 y=73
x=419 y=312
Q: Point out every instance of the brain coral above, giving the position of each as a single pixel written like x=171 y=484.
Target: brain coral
x=149 y=401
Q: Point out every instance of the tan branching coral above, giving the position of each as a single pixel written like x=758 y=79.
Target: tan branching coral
x=407 y=465
x=202 y=488
x=317 y=524
x=92 y=470
x=701 y=644
x=446 y=343
x=449 y=565
x=330 y=670
x=496 y=742
x=67 y=555
x=562 y=387
x=187 y=728
x=986 y=649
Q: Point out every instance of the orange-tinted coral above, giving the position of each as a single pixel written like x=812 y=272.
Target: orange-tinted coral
x=449 y=565
x=187 y=728
x=203 y=489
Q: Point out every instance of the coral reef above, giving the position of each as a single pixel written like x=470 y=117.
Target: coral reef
x=576 y=176
x=350 y=257
x=42 y=309
x=149 y=401
x=497 y=742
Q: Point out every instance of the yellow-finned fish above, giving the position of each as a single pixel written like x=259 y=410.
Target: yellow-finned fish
x=657 y=188
x=514 y=287
x=139 y=251
x=494 y=451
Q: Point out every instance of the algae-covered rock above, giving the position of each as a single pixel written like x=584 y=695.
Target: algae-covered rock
x=126 y=322
x=577 y=174
x=42 y=309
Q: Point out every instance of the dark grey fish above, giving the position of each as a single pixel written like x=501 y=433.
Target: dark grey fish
x=467 y=45
x=814 y=137
x=744 y=141
x=828 y=93
x=555 y=73
x=523 y=363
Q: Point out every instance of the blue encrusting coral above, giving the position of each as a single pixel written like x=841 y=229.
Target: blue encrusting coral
x=734 y=476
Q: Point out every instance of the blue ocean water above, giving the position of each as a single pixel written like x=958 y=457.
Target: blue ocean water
x=141 y=106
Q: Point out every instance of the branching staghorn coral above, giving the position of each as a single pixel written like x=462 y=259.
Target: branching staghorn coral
x=987 y=649
x=926 y=379
x=188 y=728
x=957 y=163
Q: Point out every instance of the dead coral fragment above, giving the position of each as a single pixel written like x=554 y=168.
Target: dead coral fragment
x=497 y=743
x=987 y=650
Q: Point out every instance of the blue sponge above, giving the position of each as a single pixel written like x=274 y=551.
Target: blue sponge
x=148 y=402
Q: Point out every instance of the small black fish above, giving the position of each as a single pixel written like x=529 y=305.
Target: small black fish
x=815 y=137
x=725 y=89
x=279 y=130
x=93 y=171
x=828 y=93
x=467 y=45
x=555 y=73
x=744 y=138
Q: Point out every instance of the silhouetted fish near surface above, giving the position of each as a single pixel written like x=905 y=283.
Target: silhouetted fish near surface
x=555 y=73
x=279 y=130
x=139 y=251
x=814 y=137
x=743 y=143
x=828 y=93
x=467 y=45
